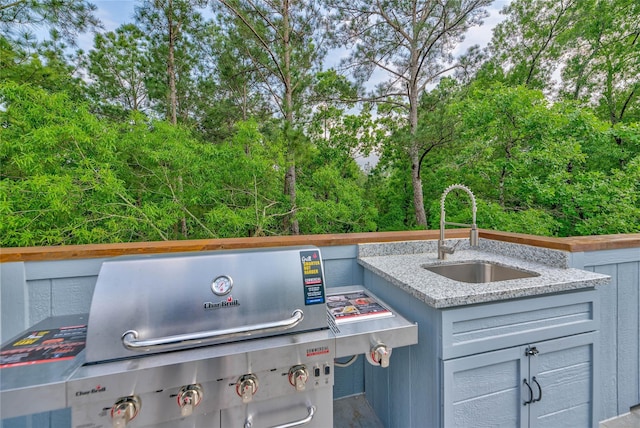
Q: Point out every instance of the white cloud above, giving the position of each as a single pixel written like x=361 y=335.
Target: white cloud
x=482 y=35
x=114 y=13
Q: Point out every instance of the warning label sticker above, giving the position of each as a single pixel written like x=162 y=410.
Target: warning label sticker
x=313 y=282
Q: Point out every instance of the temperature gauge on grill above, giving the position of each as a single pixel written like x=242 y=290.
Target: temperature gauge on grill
x=222 y=285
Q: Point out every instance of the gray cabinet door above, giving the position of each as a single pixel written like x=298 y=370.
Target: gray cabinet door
x=486 y=390
x=564 y=382
x=556 y=382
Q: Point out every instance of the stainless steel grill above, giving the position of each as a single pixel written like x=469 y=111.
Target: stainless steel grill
x=146 y=306
x=220 y=339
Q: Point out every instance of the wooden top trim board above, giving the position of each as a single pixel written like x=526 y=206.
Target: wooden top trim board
x=66 y=252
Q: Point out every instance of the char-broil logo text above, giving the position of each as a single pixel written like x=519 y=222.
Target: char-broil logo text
x=229 y=302
x=91 y=391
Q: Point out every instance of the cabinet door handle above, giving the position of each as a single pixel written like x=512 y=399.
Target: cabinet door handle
x=539 y=389
x=530 y=393
x=533 y=351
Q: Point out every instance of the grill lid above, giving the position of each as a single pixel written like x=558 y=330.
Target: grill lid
x=156 y=304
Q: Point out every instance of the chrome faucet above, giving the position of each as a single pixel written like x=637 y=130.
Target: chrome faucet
x=443 y=250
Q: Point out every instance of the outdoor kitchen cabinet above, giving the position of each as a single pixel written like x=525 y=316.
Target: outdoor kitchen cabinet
x=544 y=384
x=526 y=363
x=471 y=362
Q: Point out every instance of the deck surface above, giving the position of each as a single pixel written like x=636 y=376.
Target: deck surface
x=355 y=412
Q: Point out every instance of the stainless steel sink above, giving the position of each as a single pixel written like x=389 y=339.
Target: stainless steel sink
x=479 y=272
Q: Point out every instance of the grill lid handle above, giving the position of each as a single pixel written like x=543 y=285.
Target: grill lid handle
x=188 y=340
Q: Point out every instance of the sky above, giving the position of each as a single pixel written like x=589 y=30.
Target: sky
x=113 y=13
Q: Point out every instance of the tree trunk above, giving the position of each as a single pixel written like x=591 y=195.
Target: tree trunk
x=183 y=220
x=291 y=223
x=418 y=197
x=173 y=97
x=414 y=149
x=171 y=67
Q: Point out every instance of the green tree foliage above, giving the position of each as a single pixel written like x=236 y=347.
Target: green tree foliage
x=57 y=185
x=173 y=28
x=68 y=17
x=231 y=76
x=42 y=64
x=528 y=42
x=282 y=40
x=540 y=167
x=247 y=199
x=70 y=178
x=118 y=66
x=332 y=193
x=389 y=189
x=411 y=41
x=333 y=203
x=49 y=63
x=187 y=127
x=603 y=61
x=594 y=45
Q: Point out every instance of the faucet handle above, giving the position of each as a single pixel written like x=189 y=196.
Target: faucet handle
x=444 y=249
x=447 y=248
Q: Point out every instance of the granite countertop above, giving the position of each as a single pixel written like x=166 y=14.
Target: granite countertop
x=402 y=264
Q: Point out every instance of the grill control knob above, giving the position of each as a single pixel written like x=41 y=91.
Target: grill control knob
x=124 y=410
x=298 y=376
x=379 y=355
x=246 y=387
x=188 y=398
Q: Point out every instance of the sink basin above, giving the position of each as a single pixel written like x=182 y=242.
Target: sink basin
x=479 y=272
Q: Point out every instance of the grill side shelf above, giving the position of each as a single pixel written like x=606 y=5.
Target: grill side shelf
x=39 y=385
x=360 y=335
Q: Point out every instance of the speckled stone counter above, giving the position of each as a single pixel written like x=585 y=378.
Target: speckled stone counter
x=402 y=264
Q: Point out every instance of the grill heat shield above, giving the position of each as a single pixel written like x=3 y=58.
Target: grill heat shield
x=157 y=304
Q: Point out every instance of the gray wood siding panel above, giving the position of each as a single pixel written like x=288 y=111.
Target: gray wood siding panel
x=339 y=273
x=341 y=267
x=620 y=327
x=33 y=291
x=400 y=375
x=13 y=300
x=349 y=380
x=611 y=257
x=56 y=419
x=495 y=378
x=65 y=285
x=39 y=292
x=378 y=394
x=63 y=268
x=72 y=295
x=608 y=344
x=628 y=329
x=416 y=395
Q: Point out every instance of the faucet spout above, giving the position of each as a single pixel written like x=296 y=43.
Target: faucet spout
x=443 y=250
